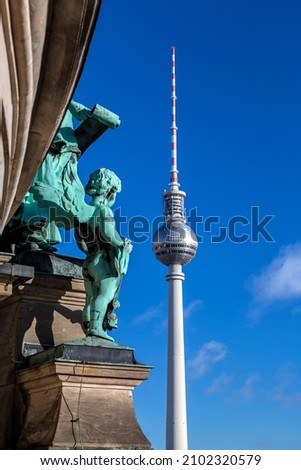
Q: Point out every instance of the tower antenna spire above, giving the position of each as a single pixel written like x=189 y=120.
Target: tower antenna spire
x=174 y=183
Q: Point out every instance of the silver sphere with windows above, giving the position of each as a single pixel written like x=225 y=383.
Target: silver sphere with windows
x=175 y=243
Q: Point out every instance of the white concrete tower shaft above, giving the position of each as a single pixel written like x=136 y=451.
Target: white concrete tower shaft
x=176 y=419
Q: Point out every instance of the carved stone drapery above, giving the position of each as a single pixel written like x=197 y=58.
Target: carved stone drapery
x=43 y=46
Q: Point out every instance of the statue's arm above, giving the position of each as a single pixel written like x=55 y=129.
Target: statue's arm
x=80 y=241
x=82 y=245
x=108 y=230
x=79 y=111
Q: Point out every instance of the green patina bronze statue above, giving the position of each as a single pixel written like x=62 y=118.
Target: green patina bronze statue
x=57 y=197
x=57 y=181
x=56 y=192
x=107 y=255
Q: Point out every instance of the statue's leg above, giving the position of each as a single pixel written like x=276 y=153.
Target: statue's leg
x=98 y=307
x=86 y=311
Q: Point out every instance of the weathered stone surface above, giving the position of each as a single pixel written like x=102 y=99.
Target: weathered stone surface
x=71 y=405
x=10 y=272
x=43 y=47
x=7 y=423
x=40 y=312
x=86 y=353
x=48 y=263
x=76 y=392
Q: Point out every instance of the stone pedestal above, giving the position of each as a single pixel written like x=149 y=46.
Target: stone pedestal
x=36 y=312
x=72 y=404
x=71 y=391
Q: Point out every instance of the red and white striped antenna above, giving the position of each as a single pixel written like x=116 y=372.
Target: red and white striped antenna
x=174 y=184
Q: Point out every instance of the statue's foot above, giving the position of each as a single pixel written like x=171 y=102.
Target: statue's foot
x=45 y=246
x=39 y=245
x=100 y=334
x=32 y=247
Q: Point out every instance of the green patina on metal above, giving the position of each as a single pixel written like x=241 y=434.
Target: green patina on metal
x=57 y=198
x=107 y=255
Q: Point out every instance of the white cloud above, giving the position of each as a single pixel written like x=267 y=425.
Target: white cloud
x=192 y=307
x=247 y=391
x=209 y=354
x=150 y=314
x=220 y=384
x=287 y=389
x=279 y=281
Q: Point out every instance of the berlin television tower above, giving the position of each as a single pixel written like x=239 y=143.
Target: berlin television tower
x=175 y=244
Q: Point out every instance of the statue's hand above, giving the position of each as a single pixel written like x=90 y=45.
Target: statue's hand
x=83 y=114
x=127 y=245
x=79 y=111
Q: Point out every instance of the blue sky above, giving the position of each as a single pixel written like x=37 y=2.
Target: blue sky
x=239 y=146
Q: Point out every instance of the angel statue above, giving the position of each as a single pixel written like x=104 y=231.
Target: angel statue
x=107 y=255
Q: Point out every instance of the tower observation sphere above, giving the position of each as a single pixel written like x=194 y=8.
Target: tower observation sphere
x=174 y=242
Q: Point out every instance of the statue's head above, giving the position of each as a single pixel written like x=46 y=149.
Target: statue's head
x=103 y=182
